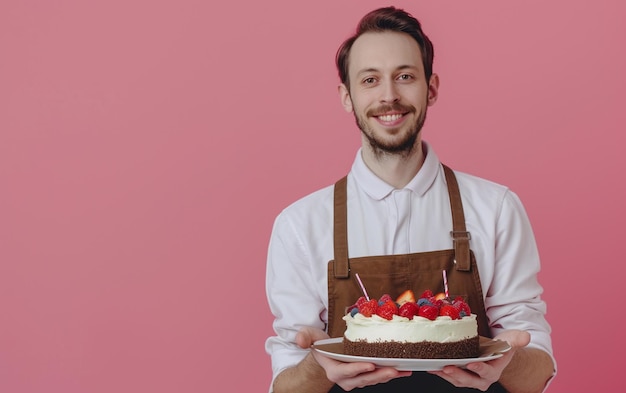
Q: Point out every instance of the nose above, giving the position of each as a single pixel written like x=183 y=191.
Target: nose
x=389 y=93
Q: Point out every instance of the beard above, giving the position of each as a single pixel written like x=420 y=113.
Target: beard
x=406 y=143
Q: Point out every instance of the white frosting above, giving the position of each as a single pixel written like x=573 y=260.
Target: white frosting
x=400 y=329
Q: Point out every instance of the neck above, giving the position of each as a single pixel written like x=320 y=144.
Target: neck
x=395 y=169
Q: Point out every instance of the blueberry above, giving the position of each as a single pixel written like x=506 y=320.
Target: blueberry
x=424 y=301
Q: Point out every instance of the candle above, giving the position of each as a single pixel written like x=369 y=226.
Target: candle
x=362 y=287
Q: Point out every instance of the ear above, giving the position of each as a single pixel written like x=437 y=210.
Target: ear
x=433 y=89
x=344 y=96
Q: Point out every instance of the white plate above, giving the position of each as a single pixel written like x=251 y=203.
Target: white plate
x=490 y=349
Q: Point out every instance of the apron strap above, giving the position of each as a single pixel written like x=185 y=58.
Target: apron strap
x=460 y=236
x=341 y=266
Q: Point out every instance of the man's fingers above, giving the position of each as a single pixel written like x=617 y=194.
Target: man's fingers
x=308 y=335
x=461 y=378
x=358 y=375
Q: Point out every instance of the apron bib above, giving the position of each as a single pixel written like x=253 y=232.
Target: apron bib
x=393 y=274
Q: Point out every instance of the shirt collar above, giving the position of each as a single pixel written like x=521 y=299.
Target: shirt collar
x=378 y=189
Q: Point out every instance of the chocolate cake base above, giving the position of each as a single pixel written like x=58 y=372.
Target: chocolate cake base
x=423 y=350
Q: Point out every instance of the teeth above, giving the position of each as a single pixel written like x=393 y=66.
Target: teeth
x=389 y=117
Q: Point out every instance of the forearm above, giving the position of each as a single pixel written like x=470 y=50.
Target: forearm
x=306 y=377
x=528 y=372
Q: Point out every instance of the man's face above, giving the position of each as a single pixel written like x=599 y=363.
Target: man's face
x=388 y=91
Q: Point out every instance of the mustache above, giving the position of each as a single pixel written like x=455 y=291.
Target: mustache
x=395 y=107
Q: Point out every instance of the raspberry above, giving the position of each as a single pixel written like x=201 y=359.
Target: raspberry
x=450 y=311
x=387 y=310
x=356 y=305
x=437 y=302
x=427 y=293
x=384 y=299
x=430 y=312
x=368 y=309
x=408 y=310
x=464 y=308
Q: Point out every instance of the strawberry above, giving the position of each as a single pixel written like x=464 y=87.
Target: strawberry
x=430 y=312
x=408 y=310
x=449 y=310
x=368 y=309
x=440 y=296
x=406 y=296
x=387 y=310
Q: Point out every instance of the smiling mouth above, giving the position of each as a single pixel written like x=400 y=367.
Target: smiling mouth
x=390 y=118
x=390 y=114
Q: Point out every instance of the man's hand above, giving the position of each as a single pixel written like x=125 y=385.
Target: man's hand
x=346 y=375
x=481 y=375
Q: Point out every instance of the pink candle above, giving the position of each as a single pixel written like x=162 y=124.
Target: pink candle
x=362 y=287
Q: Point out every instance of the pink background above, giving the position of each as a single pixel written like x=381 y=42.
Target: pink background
x=146 y=147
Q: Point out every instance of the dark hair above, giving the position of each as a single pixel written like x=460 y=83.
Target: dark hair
x=386 y=19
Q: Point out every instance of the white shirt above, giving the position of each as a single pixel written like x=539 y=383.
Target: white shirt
x=385 y=221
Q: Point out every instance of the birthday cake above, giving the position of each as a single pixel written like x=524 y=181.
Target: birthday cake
x=431 y=327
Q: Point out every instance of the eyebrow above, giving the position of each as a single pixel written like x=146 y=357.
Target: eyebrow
x=399 y=68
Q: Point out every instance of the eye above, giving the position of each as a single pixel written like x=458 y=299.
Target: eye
x=405 y=77
x=369 y=81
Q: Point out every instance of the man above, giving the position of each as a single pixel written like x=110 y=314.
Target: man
x=399 y=203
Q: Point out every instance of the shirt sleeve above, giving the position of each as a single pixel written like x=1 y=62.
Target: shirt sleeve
x=513 y=300
x=291 y=294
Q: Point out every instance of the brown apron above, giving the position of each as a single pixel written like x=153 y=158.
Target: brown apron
x=393 y=274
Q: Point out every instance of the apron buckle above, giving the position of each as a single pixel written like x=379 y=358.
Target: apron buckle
x=461 y=235
x=461 y=239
